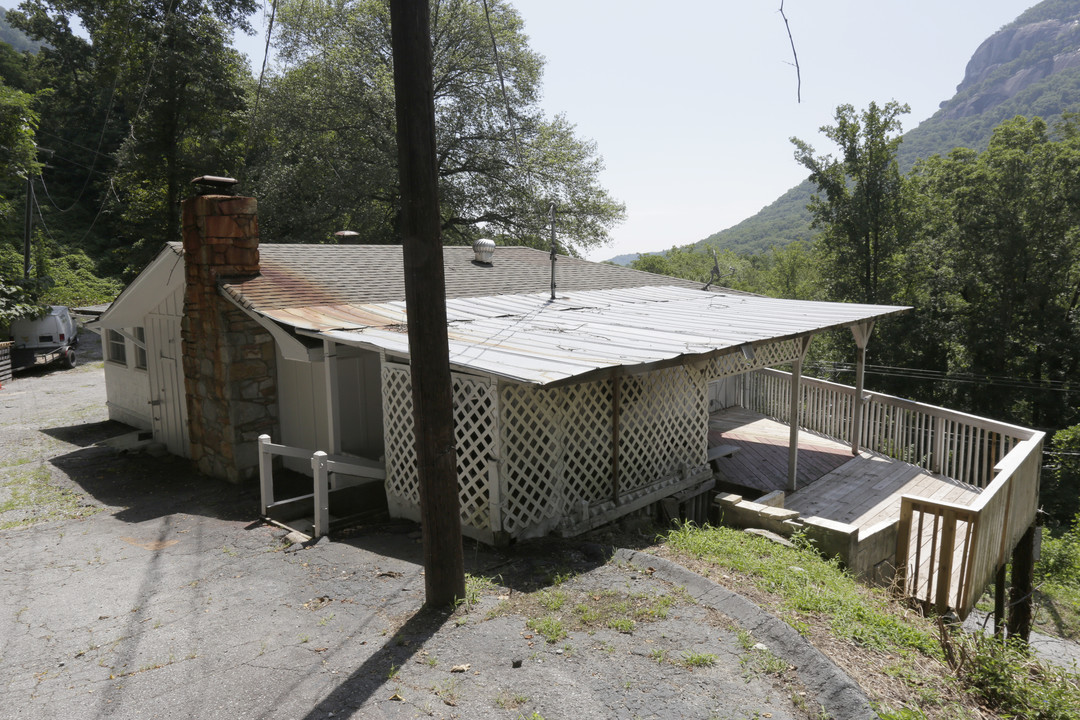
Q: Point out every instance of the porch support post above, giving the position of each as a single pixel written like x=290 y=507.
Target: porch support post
x=1000 y=583
x=333 y=406
x=861 y=331
x=1023 y=585
x=794 y=415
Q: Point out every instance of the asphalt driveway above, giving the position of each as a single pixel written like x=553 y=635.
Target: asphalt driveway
x=132 y=587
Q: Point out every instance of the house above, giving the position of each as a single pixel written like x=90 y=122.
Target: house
x=579 y=397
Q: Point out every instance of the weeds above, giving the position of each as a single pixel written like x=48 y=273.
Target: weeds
x=509 y=701
x=1008 y=679
x=549 y=626
x=33 y=497
x=696 y=660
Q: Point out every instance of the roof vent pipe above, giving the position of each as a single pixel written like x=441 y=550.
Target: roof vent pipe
x=483 y=249
x=554 y=251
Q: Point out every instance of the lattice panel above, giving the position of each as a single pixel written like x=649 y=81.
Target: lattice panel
x=402 y=480
x=586 y=414
x=664 y=418
x=532 y=452
x=556 y=444
x=474 y=432
x=734 y=363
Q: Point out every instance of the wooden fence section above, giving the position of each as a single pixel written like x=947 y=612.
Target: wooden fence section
x=946 y=554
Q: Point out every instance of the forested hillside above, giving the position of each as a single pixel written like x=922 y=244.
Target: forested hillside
x=1030 y=67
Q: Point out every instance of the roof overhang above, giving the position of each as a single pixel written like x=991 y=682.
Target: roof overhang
x=533 y=339
x=161 y=278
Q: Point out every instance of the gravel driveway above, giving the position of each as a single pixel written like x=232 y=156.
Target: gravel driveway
x=132 y=587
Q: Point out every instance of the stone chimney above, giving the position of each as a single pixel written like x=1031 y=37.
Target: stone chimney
x=230 y=373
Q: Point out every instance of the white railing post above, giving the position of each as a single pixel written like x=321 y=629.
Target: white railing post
x=321 y=494
x=937 y=454
x=266 y=473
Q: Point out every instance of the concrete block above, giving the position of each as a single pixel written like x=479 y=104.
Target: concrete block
x=773 y=519
x=833 y=539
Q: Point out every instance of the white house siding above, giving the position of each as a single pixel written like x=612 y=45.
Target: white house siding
x=301 y=408
x=127 y=391
x=360 y=391
x=303 y=411
x=725 y=392
x=130 y=391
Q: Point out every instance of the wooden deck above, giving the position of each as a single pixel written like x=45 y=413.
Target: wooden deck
x=762 y=460
x=862 y=490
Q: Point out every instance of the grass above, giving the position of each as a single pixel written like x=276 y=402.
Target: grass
x=475 y=587
x=1057 y=576
x=697 y=660
x=510 y=701
x=33 y=497
x=807 y=584
x=909 y=666
x=549 y=626
x=555 y=612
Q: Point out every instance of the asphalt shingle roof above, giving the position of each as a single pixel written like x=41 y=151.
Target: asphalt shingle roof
x=322 y=275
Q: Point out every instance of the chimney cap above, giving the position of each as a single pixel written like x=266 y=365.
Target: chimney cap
x=214 y=183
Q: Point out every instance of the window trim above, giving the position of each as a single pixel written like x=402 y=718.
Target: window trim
x=140 y=349
x=115 y=347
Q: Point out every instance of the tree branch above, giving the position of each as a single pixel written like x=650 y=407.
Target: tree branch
x=798 y=73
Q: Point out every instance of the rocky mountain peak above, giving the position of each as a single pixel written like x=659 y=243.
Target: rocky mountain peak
x=1013 y=59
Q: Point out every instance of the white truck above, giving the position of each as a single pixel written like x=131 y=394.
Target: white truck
x=47 y=339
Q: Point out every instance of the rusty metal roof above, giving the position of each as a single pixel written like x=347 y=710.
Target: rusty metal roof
x=329 y=276
x=529 y=338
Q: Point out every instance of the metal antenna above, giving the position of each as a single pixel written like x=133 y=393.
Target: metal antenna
x=715 y=275
x=553 y=249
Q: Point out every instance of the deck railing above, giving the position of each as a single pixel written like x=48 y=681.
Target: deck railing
x=963 y=447
x=946 y=553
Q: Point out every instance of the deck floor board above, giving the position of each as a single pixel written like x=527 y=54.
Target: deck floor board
x=863 y=490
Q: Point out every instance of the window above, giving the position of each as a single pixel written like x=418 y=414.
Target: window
x=115 y=348
x=140 y=348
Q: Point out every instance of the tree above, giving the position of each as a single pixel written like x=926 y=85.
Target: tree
x=859 y=210
x=18 y=159
x=166 y=68
x=1004 y=243
x=326 y=156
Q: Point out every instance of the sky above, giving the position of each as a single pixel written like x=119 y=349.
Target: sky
x=692 y=104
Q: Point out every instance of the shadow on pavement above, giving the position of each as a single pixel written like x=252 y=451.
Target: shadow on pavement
x=143 y=487
x=88 y=434
x=374 y=672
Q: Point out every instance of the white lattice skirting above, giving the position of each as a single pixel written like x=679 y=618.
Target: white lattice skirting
x=533 y=460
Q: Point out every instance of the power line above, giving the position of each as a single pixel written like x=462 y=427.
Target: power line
x=940 y=376
x=97 y=152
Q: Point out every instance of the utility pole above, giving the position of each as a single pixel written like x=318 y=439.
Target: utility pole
x=28 y=229
x=425 y=301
